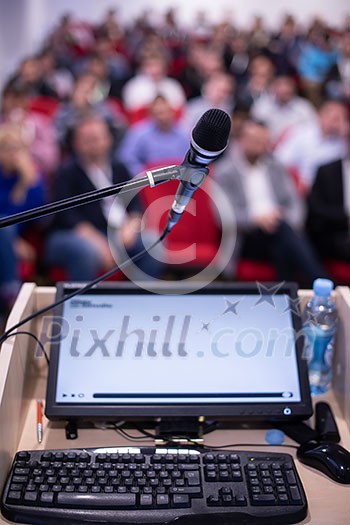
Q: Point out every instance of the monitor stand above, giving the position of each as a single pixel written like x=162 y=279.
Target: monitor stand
x=184 y=431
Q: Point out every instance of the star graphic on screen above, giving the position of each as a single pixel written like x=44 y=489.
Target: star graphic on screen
x=205 y=326
x=293 y=306
x=231 y=307
x=267 y=293
x=311 y=318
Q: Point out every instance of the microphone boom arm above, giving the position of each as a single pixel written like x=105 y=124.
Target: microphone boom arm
x=153 y=178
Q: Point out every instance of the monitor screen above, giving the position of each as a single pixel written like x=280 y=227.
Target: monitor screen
x=223 y=351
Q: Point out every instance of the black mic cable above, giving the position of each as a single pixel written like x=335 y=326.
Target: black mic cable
x=9 y=332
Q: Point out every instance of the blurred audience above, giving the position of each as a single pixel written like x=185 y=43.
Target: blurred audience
x=30 y=75
x=337 y=82
x=112 y=29
x=328 y=218
x=157 y=140
x=152 y=80
x=78 y=241
x=269 y=214
x=282 y=109
x=154 y=69
x=21 y=188
x=57 y=78
x=84 y=100
x=71 y=40
x=260 y=75
x=316 y=142
x=202 y=61
x=238 y=57
x=37 y=128
x=285 y=47
x=316 y=58
x=217 y=92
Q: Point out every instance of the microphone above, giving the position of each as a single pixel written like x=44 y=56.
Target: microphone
x=209 y=139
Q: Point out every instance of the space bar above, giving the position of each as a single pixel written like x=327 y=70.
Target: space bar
x=99 y=500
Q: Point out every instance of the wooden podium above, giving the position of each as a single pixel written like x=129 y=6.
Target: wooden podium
x=23 y=375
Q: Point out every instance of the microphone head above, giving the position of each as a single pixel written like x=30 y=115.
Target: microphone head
x=210 y=136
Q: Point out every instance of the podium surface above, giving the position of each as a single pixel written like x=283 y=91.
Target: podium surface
x=23 y=376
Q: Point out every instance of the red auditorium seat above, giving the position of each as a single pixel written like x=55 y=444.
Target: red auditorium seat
x=249 y=270
x=44 y=105
x=195 y=240
x=56 y=274
x=339 y=271
x=27 y=271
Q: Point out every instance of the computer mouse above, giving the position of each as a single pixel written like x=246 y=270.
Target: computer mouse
x=330 y=458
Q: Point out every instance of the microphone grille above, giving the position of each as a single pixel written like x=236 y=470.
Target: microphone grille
x=212 y=130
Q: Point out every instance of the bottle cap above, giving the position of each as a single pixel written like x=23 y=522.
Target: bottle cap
x=323 y=287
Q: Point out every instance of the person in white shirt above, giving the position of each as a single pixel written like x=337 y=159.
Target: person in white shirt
x=269 y=214
x=217 y=92
x=152 y=80
x=311 y=145
x=282 y=109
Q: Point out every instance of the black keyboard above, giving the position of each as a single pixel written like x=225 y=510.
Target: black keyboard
x=153 y=485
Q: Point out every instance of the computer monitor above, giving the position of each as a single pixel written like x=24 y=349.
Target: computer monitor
x=225 y=352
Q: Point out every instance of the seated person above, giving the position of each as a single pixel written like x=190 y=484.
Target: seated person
x=282 y=109
x=217 y=92
x=21 y=188
x=337 y=83
x=317 y=142
x=155 y=141
x=79 y=241
x=38 y=128
x=329 y=209
x=269 y=214
x=81 y=102
x=150 y=80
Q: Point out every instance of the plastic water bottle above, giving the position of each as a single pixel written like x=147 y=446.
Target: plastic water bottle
x=320 y=326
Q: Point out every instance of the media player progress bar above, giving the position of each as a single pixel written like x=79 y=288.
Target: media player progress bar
x=111 y=395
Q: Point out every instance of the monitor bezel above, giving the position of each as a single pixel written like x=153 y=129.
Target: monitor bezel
x=232 y=412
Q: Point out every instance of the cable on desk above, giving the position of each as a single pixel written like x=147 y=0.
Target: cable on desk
x=231 y=445
x=125 y=434
x=24 y=332
x=85 y=288
x=148 y=435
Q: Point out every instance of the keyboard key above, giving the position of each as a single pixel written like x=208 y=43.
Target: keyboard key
x=193 y=478
x=20 y=479
x=193 y=491
x=241 y=500
x=46 y=498
x=295 y=494
x=15 y=487
x=30 y=497
x=21 y=471
x=14 y=495
x=181 y=500
x=23 y=455
x=213 y=501
x=282 y=499
x=101 y=500
x=146 y=500
x=162 y=500
x=263 y=499
x=290 y=477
